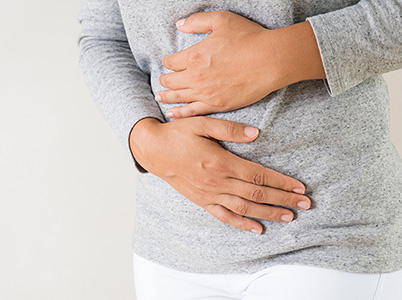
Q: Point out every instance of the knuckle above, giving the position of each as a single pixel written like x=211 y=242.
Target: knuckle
x=274 y=213
x=257 y=195
x=176 y=96
x=224 y=218
x=205 y=92
x=193 y=57
x=289 y=201
x=258 y=178
x=280 y=180
x=208 y=93
x=217 y=166
x=268 y=213
x=202 y=199
x=276 y=179
x=210 y=182
x=230 y=129
x=211 y=164
x=242 y=209
x=177 y=113
x=191 y=110
x=243 y=226
x=219 y=103
x=283 y=183
x=198 y=75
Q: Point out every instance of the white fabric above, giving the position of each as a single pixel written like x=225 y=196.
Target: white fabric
x=282 y=282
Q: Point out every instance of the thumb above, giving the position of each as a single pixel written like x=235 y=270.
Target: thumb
x=206 y=21
x=225 y=130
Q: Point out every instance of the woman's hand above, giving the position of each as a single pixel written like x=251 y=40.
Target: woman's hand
x=237 y=64
x=187 y=156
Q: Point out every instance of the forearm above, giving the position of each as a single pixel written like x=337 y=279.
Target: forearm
x=118 y=86
x=297 y=54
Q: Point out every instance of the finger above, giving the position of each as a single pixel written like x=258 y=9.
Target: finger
x=259 y=175
x=182 y=60
x=226 y=216
x=187 y=58
x=207 y=21
x=193 y=109
x=241 y=168
x=225 y=130
x=175 y=80
x=267 y=195
x=176 y=61
x=247 y=208
x=175 y=96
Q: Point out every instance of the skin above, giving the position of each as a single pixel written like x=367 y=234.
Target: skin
x=207 y=73
x=185 y=152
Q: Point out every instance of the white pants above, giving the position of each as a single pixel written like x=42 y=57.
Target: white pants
x=284 y=282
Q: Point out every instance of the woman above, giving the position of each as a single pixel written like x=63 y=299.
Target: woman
x=291 y=178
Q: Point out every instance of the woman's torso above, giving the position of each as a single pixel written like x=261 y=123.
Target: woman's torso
x=339 y=147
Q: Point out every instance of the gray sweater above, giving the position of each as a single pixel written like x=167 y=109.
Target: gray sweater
x=332 y=134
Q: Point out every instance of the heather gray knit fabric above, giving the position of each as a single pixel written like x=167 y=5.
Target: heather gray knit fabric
x=332 y=135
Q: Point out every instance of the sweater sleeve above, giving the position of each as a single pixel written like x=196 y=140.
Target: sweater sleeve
x=359 y=42
x=119 y=88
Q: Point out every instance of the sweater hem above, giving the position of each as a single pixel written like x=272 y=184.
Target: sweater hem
x=332 y=262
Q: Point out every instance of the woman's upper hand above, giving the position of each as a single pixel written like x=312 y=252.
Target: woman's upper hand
x=237 y=64
x=187 y=156
x=222 y=72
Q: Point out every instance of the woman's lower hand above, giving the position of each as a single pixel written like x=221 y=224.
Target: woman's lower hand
x=237 y=64
x=187 y=156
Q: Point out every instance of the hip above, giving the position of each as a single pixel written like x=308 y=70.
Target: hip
x=280 y=282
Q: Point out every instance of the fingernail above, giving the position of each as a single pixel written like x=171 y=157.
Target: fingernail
x=180 y=22
x=256 y=231
x=299 y=191
x=250 y=131
x=303 y=204
x=158 y=98
x=286 y=218
x=169 y=114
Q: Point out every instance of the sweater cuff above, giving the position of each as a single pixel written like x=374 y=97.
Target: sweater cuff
x=136 y=163
x=333 y=81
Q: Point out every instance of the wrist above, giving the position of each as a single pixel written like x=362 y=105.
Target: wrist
x=140 y=132
x=143 y=125
x=297 y=54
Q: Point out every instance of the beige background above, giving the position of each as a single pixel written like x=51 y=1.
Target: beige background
x=67 y=183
